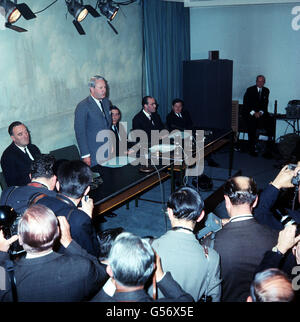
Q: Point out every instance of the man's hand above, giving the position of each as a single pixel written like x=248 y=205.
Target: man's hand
x=287 y=239
x=159 y=270
x=296 y=252
x=87 y=205
x=257 y=115
x=65 y=233
x=5 y=243
x=87 y=161
x=284 y=178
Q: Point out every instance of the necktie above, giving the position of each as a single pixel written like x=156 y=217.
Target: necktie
x=151 y=119
x=259 y=93
x=179 y=115
x=102 y=110
x=115 y=129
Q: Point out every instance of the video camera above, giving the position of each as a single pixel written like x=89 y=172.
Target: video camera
x=212 y=225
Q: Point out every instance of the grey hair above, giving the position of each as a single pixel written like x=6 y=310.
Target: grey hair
x=93 y=80
x=271 y=285
x=131 y=259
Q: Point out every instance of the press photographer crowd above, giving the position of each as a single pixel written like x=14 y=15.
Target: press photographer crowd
x=50 y=251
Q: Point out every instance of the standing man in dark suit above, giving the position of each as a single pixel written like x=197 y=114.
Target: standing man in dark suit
x=91 y=116
x=18 y=156
x=148 y=119
x=242 y=242
x=119 y=131
x=256 y=100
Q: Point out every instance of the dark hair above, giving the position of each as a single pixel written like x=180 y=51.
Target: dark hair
x=42 y=166
x=12 y=125
x=262 y=290
x=106 y=238
x=177 y=100
x=260 y=76
x=74 y=177
x=238 y=194
x=186 y=203
x=145 y=100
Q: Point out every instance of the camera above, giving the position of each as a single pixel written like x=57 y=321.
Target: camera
x=9 y=220
x=295 y=179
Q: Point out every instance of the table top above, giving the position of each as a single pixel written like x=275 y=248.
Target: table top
x=118 y=179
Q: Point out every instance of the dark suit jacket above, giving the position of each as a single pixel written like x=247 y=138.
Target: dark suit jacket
x=19 y=197
x=82 y=230
x=175 y=122
x=70 y=277
x=253 y=102
x=241 y=246
x=169 y=287
x=89 y=120
x=264 y=212
x=141 y=122
x=16 y=164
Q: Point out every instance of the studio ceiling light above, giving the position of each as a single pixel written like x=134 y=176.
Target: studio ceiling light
x=79 y=12
x=108 y=9
x=13 y=12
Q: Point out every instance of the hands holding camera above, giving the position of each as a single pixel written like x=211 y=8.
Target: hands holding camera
x=285 y=176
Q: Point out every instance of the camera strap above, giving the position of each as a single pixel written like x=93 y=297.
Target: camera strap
x=9 y=266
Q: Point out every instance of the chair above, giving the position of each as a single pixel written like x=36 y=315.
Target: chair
x=242 y=126
x=2 y=181
x=68 y=153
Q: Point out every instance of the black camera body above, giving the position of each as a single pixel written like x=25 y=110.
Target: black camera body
x=9 y=220
x=296 y=179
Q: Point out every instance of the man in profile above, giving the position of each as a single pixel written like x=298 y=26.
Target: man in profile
x=18 y=156
x=91 y=116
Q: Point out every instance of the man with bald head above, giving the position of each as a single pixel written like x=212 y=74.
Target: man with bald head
x=242 y=242
x=271 y=285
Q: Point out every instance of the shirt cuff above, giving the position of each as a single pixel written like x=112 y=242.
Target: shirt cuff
x=262 y=112
x=85 y=156
x=252 y=112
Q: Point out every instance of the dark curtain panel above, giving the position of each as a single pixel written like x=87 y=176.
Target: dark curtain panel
x=166 y=46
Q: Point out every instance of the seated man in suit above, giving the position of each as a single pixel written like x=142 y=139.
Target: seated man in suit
x=148 y=119
x=18 y=156
x=119 y=131
x=256 y=100
x=43 y=182
x=44 y=275
x=131 y=262
x=73 y=184
x=179 y=118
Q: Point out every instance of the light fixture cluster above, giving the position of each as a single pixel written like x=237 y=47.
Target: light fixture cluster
x=108 y=8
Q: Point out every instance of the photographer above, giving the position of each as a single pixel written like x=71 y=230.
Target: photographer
x=44 y=275
x=265 y=213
